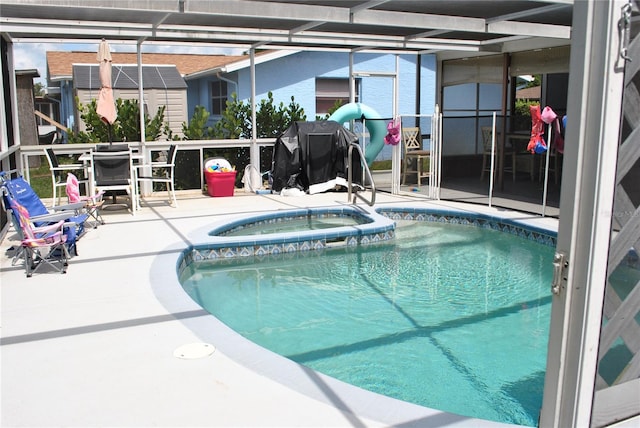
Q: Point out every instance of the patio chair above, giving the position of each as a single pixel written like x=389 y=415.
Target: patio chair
x=59 y=173
x=413 y=152
x=42 y=246
x=487 y=136
x=160 y=172
x=92 y=203
x=554 y=164
x=112 y=171
x=48 y=138
x=19 y=190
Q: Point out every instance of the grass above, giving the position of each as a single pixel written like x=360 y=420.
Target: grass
x=381 y=165
x=40 y=178
x=386 y=165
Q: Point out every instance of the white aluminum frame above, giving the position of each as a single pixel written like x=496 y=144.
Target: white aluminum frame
x=586 y=206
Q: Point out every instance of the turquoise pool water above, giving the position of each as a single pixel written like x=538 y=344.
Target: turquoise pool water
x=295 y=224
x=450 y=317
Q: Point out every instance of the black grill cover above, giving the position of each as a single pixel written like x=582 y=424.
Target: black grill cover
x=309 y=153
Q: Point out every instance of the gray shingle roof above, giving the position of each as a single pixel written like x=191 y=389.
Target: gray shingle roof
x=126 y=77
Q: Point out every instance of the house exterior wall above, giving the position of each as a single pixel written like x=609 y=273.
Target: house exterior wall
x=175 y=113
x=296 y=75
x=27 y=118
x=175 y=100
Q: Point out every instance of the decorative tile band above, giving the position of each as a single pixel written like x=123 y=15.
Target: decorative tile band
x=526 y=231
x=532 y=233
x=277 y=218
x=370 y=228
x=373 y=230
x=214 y=252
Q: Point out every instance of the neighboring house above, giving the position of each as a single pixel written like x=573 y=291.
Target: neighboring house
x=26 y=106
x=163 y=86
x=532 y=93
x=50 y=108
x=61 y=84
x=315 y=79
x=318 y=79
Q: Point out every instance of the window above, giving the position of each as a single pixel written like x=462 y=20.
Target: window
x=329 y=91
x=466 y=108
x=218 y=97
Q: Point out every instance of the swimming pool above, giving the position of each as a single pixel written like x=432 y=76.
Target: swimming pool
x=454 y=319
x=293 y=221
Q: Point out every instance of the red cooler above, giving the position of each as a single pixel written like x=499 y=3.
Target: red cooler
x=220 y=183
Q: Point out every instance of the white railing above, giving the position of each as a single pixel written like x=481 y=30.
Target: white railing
x=27 y=152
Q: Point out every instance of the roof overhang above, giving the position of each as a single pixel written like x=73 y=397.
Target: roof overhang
x=32 y=72
x=395 y=26
x=240 y=65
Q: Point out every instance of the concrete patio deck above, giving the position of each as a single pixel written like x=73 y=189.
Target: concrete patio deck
x=95 y=347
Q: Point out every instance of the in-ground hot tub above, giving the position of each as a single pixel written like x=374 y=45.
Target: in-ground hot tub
x=292 y=230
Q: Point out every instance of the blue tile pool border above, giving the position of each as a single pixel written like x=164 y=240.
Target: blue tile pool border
x=276 y=217
x=483 y=221
x=375 y=228
x=378 y=226
x=506 y=225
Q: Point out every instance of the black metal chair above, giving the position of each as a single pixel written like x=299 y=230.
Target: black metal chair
x=48 y=138
x=112 y=171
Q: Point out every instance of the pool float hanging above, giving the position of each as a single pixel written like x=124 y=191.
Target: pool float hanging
x=374 y=123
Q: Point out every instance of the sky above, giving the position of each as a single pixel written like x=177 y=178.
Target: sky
x=28 y=56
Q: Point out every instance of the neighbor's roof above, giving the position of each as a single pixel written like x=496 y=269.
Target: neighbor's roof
x=60 y=64
x=126 y=77
x=532 y=93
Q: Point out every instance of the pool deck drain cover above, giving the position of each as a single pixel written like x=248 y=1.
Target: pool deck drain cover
x=194 y=350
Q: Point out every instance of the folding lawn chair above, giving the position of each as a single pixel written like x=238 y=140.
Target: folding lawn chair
x=41 y=246
x=21 y=191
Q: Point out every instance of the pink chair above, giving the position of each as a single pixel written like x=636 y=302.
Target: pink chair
x=92 y=203
x=42 y=246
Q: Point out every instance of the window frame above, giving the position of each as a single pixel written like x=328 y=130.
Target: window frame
x=219 y=92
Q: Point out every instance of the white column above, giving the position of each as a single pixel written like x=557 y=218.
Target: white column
x=254 y=153
x=586 y=205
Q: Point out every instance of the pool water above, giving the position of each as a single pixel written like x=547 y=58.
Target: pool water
x=296 y=224
x=450 y=317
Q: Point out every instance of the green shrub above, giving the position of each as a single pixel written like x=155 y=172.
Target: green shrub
x=125 y=128
x=197 y=128
x=271 y=119
x=336 y=105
